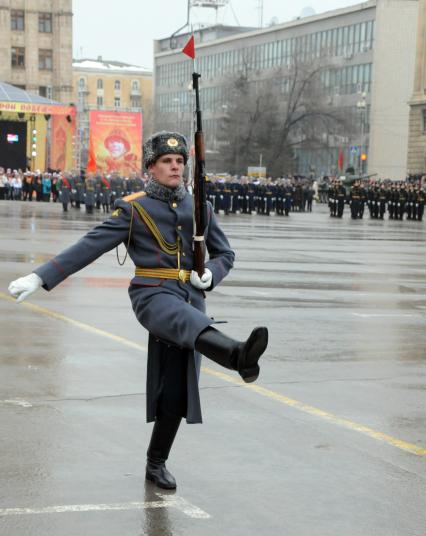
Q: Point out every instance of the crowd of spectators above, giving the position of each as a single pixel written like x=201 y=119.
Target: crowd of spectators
x=18 y=185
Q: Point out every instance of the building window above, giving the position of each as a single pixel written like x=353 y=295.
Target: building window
x=100 y=83
x=45 y=22
x=81 y=83
x=45 y=91
x=135 y=102
x=117 y=84
x=424 y=120
x=100 y=101
x=17 y=20
x=45 y=61
x=18 y=57
x=135 y=85
x=117 y=102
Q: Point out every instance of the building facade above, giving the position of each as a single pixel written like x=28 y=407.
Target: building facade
x=109 y=85
x=355 y=43
x=36 y=47
x=417 y=130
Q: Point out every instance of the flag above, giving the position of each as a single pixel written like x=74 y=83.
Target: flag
x=341 y=159
x=189 y=48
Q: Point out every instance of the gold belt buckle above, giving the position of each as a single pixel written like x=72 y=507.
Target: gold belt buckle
x=182 y=275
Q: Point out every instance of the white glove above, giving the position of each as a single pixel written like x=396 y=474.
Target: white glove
x=25 y=286
x=201 y=283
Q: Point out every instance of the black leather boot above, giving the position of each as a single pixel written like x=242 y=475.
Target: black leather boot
x=232 y=354
x=163 y=435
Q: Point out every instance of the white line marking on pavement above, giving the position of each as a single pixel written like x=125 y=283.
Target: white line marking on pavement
x=382 y=315
x=166 y=501
x=17 y=402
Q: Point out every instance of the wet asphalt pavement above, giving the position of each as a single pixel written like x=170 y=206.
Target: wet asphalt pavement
x=331 y=440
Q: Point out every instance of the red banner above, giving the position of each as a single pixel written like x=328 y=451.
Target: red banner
x=61 y=143
x=115 y=143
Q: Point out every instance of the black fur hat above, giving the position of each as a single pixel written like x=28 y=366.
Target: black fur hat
x=164 y=143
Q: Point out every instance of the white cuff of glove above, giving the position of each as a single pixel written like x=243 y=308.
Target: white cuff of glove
x=25 y=286
x=201 y=283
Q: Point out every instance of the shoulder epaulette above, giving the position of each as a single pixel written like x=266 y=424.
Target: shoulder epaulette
x=134 y=196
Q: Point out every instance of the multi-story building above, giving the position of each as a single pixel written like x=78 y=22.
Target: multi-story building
x=369 y=50
x=36 y=46
x=110 y=85
x=417 y=131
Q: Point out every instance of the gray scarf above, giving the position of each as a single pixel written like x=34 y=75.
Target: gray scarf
x=156 y=190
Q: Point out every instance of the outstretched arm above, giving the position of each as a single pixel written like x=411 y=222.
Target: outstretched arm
x=95 y=243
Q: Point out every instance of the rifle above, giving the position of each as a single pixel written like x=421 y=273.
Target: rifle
x=200 y=204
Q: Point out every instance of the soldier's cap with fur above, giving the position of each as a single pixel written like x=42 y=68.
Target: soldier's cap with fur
x=164 y=143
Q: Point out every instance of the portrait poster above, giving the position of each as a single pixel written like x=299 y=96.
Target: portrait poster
x=115 y=144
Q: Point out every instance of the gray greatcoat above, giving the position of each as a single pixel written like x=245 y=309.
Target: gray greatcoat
x=64 y=191
x=89 y=192
x=171 y=310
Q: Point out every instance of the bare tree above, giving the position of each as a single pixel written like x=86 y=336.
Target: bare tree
x=274 y=116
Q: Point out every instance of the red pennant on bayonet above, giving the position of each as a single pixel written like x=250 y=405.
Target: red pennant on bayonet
x=189 y=48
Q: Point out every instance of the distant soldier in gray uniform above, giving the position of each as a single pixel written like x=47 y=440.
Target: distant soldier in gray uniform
x=167 y=296
x=64 y=187
x=90 y=193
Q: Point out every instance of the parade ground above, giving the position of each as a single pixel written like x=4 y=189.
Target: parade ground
x=330 y=441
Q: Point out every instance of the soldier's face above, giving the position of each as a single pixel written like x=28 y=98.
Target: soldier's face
x=168 y=170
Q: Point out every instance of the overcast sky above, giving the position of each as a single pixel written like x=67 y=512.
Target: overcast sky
x=124 y=30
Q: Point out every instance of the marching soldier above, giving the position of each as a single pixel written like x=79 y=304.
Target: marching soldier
x=218 y=205
x=420 y=201
x=79 y=188
x=167 y=296
x=363 y=200
x=89 y=193
x=64 y=188
x=392 y=196
x=105 y=194
x=235 y=188
x=332 y=199
x=288 y=198
x=340 y=199
x=279 y=208
x=251 y=198
x=355 y=200
x=226 y=199
x=402 y=200
x=269 y=199
x=410 y=202
x=383 y=198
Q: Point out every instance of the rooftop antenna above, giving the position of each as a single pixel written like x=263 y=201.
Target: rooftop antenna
x=213 y=4
x=260 y=9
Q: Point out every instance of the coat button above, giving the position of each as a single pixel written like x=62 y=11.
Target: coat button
x=174 y=205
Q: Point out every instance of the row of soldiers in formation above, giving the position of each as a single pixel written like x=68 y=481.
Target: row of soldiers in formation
x=261 y=197
x=96 y=191
x=230 y=195
x=246 y=197
x=398 y=199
